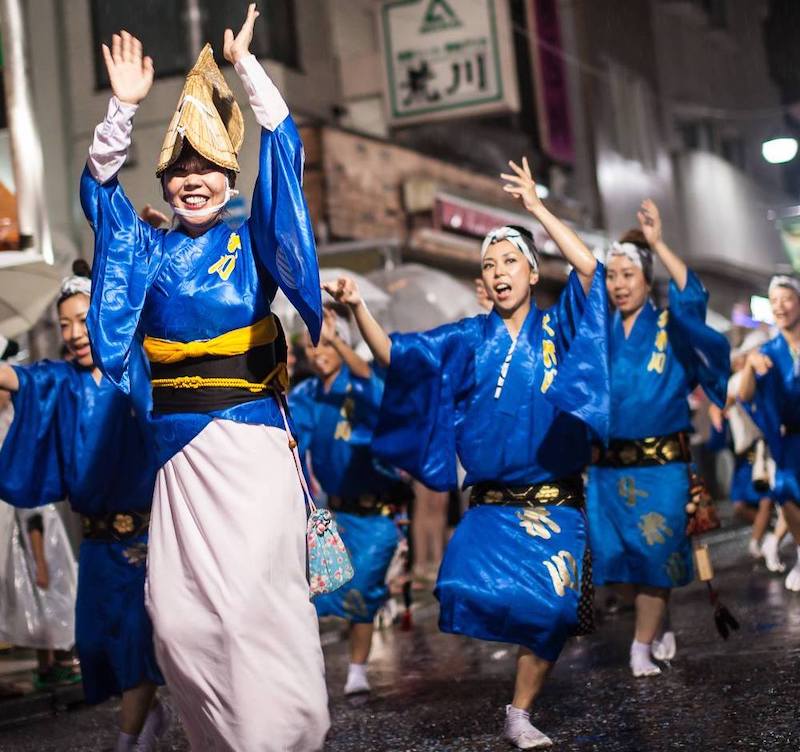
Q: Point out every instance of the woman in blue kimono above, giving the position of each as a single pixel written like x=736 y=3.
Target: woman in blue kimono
x=334 y=414
x=771 y=380
x=639 y=484
x=236 y=634
x=75 y=436
x=510 y=394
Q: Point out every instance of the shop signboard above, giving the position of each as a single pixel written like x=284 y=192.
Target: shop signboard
x=447 y=59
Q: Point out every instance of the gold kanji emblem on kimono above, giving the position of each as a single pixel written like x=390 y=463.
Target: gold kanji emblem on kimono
x=563 y=571
x=227 y=262
x=538 y=522
x=654 y=528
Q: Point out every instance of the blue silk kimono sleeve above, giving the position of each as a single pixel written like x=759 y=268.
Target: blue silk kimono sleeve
x=33 y=460
x=765 y=410
x=126 y=259
x=302 y=412
x=280 y=227
x=416 y=428
x=582 y=384
x=704 y=352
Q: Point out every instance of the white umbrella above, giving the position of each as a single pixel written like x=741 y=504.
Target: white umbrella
x=422 y=297
x=25 y=293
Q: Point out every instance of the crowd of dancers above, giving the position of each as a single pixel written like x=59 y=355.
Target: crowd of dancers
x=170 y=429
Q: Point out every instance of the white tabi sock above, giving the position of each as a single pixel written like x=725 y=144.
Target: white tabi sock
x=641 y=664
x=357 y=681
x=664 y=647
x=125 y=742
x=155 y=726
x=793 y=578
x=521 y=732
x=769 y=550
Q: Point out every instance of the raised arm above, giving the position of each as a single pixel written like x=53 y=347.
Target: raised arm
x=330 y=336
x=650 y=221
x=124 y=243
x=279 y=225
x=522 y=185
x=757 y=364
x=345 y=290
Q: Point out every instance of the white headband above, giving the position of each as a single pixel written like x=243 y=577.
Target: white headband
x=629 y=250
x=75 y=284
x=784 y=280
x=516 y=239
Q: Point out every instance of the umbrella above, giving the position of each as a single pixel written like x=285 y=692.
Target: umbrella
x=376 y=299
x=423 y=297
x=25 y=293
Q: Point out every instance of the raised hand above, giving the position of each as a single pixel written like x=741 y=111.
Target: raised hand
x=238 y=47
x=344 y=290
x=130 y=74
x=153 y=217
x=650 y=222
x=522 y=185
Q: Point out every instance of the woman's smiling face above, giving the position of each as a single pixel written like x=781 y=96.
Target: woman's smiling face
x=507 y=276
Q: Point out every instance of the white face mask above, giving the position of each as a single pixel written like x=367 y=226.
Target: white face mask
x=208 y=210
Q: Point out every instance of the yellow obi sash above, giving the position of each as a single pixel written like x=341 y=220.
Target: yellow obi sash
x=235 y=342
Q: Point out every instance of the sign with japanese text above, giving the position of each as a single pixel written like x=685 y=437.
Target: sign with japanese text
x=447 y=58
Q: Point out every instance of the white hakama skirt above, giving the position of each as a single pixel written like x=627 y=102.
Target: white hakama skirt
x=236 y=634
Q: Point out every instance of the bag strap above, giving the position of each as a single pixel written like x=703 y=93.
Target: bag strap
x=296 y=455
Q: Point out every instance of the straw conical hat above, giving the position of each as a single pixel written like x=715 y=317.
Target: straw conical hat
x=207 y=117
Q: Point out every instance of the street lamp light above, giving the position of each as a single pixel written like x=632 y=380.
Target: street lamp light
x=779 y=150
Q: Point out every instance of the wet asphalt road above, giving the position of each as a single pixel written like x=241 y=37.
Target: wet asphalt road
x=439 y=693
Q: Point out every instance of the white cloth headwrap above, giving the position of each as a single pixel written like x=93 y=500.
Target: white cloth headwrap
x=75 y=284
x=515 y=238
x=629 y=250
x=784 y=280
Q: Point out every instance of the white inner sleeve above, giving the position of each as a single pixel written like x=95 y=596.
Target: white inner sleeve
x=111 y=140
x=265 y=99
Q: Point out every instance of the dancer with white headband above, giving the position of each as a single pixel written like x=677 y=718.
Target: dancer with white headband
x=236 y=634
x=639 y=483
x=75 y=435
x=512 y=394
x=771 y=381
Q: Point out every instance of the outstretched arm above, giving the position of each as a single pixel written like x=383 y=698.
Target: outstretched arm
x=345 y=290
x=522 y=185
x=757 y=364
x=650 y=221
x=330 y=336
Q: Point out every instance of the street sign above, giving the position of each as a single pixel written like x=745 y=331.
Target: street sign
x=447 y=58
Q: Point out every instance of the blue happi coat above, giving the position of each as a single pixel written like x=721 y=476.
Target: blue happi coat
x=509 y=574
x=74 y=438
x=776 y=411
x=335 y=427
x=637 y=516
x=168 y=285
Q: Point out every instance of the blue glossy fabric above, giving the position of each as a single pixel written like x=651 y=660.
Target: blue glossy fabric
x=168 y=285
x=509 y=576
x=777 y=404
x=637 y=523
x=637 y=516
x=439 y=400
x=335 y=427
x=74 y=438
x=742 y=488
x=370 y=541
x=114 y=633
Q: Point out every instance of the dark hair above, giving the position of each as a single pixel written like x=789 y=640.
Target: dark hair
x=637 y=238
x=80 y=268
x=191 y=161
x=12 y=349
